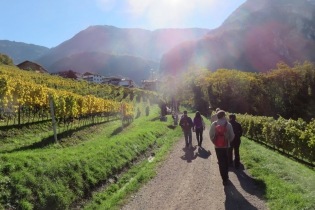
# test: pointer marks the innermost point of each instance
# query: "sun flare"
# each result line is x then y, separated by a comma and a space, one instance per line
163, 13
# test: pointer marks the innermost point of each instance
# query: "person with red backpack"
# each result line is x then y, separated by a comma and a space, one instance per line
222, 134
187, 124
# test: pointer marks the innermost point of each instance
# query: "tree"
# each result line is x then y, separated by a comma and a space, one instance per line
71, 74
6, 60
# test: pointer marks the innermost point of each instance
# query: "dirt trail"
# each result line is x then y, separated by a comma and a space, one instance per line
190, 179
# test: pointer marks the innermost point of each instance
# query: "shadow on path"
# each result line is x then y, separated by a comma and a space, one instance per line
235, 200
248, 182
202, 153
189, 154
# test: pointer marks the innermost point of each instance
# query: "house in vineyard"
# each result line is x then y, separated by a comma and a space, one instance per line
92, 77
68, 74
152, 83
32, 66
119, 82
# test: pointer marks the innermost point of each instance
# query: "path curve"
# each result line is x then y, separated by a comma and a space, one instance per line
190, 179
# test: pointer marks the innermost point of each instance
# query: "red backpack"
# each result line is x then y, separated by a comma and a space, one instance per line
219, 138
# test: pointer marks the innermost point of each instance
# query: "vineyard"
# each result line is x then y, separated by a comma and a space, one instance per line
25, 98
291, 137
34, 172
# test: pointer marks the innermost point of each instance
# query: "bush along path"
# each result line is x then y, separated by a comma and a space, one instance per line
190, 179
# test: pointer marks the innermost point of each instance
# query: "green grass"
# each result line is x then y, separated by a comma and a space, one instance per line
286, 183
138, 175
40, 135
57, 176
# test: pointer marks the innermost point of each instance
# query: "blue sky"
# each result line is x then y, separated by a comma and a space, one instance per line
50, 22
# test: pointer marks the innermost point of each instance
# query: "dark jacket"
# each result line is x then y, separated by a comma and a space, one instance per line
238, 131
184, 117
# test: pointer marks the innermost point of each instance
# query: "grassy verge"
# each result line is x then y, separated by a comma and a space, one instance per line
55, 177
40, 135
287, 184
130, 182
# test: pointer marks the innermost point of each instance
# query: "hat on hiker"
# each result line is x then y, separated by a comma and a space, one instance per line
221, 114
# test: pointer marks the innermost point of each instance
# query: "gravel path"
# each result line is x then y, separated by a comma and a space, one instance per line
190, 179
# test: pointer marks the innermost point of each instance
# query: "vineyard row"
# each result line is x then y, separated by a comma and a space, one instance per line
18, 96
292, 137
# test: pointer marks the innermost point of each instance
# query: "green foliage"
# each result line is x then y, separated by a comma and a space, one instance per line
188, 89
5, 60
294, 137
285, 91
81, 87
35, 109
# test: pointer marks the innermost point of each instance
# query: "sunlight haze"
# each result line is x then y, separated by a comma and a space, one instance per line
49, 23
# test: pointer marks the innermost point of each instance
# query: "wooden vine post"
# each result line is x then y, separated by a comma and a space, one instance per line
53, 117
122, 115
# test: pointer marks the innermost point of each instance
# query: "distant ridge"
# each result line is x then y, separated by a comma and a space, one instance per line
255, 37
131, 41
19, 51
106, 64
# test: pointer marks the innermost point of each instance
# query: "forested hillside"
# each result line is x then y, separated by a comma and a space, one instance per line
19, 51
258, 35
127, 66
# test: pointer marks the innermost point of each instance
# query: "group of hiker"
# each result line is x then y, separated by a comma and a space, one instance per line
224, 133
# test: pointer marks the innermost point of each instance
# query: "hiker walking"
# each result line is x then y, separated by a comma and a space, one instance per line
221, 134
187, 124
235, 144
215, 117
199, 126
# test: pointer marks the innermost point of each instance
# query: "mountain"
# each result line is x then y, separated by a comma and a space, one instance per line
255, 37
19, 51
106, 64
132, 41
